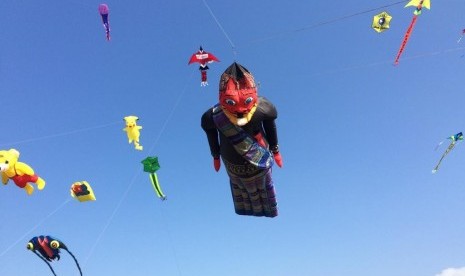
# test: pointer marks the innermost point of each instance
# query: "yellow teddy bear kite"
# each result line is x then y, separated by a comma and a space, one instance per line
133, 130
19, 172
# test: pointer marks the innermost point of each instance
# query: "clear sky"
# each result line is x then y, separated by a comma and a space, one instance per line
356, 194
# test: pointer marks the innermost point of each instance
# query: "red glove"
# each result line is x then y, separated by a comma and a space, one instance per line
260, 139
278, 159
216, 163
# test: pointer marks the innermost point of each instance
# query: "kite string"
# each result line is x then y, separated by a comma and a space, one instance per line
168, 233
361, 66
325, 22
35, 227
60, 134
110, 218
133, 180
170, 115
80, 3
221, 27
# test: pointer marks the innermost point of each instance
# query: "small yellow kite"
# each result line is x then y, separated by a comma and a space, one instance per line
82, 191
419, 4
381, 22
133, 130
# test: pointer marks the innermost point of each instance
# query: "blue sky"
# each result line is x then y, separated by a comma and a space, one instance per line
356, 195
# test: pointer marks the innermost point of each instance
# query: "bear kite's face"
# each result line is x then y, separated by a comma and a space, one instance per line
131, 121
8, 159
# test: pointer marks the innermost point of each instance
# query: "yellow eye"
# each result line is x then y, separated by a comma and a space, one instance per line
30, 246
54, 244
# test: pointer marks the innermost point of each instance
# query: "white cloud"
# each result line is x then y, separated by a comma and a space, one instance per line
452, 272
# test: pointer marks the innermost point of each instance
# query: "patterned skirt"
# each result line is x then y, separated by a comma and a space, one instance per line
254, 196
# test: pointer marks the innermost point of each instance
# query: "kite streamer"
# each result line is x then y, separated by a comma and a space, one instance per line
419, 5
454, 139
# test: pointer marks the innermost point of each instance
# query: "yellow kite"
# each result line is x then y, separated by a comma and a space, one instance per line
416, 3
133, 130
82, 191
381, 22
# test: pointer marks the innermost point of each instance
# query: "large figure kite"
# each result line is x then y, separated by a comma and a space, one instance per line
241, 130
151, 166
454, 139
419, 5
48, 249
203, 58
21, 173
381, 22
104, 13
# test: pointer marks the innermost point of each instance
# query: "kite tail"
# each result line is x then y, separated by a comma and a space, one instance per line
436, 148
451, 146
406, 38
156, 186
75, 260
43, 259
107, 31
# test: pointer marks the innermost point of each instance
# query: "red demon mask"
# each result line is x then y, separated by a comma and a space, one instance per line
238, 94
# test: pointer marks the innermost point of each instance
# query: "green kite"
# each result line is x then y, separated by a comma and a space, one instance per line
151, 166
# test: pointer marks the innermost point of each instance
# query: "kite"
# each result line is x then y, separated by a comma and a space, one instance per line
460, 38
21, 173
133, 131
454, 139
381, 22
241, 130
82, 191
103, 10
419, 5
151, 166
48, 249
203, 58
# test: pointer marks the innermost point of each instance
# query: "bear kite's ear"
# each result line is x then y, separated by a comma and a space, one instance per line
14, 152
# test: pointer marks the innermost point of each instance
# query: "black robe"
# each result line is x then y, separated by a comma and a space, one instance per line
262, 121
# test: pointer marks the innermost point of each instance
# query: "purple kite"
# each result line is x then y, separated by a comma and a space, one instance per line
103, 10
